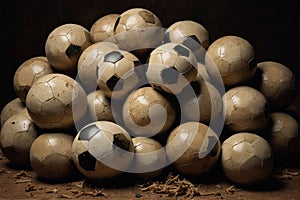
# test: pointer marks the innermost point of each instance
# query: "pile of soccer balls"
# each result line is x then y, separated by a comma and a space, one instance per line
129, 96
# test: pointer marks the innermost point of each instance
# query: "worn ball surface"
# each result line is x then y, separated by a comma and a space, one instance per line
28, 73
65, 44
233, 57
150, 157
118, 73
171, 67
104, 27
88, 60
56, 101
99, 106
245, 109
277, 84
246, 158
11, 108
194, 148
138, 30
17, 134
102, 150
146, 112
50, 156
284, 134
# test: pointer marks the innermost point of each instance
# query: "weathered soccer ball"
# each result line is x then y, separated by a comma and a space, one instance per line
99, 106
104, 27
50, 156
65, 44
277, 84
284, 137
11, 108
17, 134
28, 73
171, 68
146, 113
194, 148
56, 101
150, 157
232, 59
245, 109
118, 73
87, 63
102, 150
246, 158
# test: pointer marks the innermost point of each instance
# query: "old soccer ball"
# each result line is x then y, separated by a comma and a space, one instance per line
150, 157
11, 108
171, 67
102, 150
17, 134
104, 27
146, 113
277, 84
245, 109
65, 44
50, 156
87, 63
56, 101
194, 148
99, 106
246, 158
234, 59
118, 73
28, 73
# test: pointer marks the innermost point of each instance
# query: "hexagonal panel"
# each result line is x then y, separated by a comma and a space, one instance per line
88, 132
87, 161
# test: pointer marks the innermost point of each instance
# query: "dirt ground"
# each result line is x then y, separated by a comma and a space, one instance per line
24, 184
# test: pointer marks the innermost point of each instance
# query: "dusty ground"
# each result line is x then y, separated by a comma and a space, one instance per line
23, 184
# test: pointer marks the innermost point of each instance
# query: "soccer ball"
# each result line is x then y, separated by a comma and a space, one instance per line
194, 148
246, 158
245, 109
56, 101
277, 84
171, 67
207, 99
233, 57
50, 156
65, 44
102, 150
118, 73
138, 30
191, 34
99, 106
284, 134
147, 113
11, 108
28, 72
17, 134
88, 60
104, 27
150, 157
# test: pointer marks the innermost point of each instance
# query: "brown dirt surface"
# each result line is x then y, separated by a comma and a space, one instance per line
20, 183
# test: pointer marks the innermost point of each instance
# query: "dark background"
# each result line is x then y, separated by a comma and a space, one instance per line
272, 27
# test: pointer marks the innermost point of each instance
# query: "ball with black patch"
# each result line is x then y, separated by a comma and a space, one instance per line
171, 67
138, 30
118, 73
102, 150
65, 44
191, 34
88, 60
